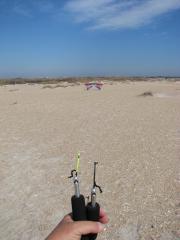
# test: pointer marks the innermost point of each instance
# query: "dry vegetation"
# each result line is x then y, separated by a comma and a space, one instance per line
146, 94
76, 80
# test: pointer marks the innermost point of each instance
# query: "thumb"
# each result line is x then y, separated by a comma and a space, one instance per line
86, 227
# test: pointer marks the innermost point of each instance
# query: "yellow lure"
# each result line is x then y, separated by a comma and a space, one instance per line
78, 162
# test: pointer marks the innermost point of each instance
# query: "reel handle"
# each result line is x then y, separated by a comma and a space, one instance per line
93, 214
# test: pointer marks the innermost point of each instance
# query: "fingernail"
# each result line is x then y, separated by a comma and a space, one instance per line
101, 227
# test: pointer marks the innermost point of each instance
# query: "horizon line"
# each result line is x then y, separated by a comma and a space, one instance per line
89, 76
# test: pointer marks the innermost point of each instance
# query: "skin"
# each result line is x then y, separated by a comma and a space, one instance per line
67, 229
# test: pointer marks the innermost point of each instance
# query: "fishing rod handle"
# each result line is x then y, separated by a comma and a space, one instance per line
79, 210
93, 214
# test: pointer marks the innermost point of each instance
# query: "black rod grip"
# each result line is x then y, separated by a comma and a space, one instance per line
79, 210
93, 214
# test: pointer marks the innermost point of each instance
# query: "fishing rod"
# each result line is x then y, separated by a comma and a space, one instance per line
78, 200
93, 208
81, 212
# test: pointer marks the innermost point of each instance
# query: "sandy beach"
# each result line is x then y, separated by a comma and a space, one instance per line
135, 139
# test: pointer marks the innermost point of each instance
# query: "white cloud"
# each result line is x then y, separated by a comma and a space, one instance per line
114, 14
44, 6
27, 8
20, 10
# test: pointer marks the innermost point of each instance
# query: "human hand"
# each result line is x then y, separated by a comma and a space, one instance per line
67, 229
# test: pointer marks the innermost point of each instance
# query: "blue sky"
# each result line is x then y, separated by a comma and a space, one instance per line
89, 37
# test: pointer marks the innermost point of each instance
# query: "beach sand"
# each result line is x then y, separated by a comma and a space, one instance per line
135, 139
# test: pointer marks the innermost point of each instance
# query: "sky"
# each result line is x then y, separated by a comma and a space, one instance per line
41, 38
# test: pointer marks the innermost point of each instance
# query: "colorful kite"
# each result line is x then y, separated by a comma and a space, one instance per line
93, 85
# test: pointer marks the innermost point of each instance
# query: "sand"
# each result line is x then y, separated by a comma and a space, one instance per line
135, 139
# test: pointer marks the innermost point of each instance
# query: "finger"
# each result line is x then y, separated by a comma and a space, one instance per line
68, 218
103, 217
86, 227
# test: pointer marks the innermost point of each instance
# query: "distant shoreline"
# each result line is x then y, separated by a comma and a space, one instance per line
44, 80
